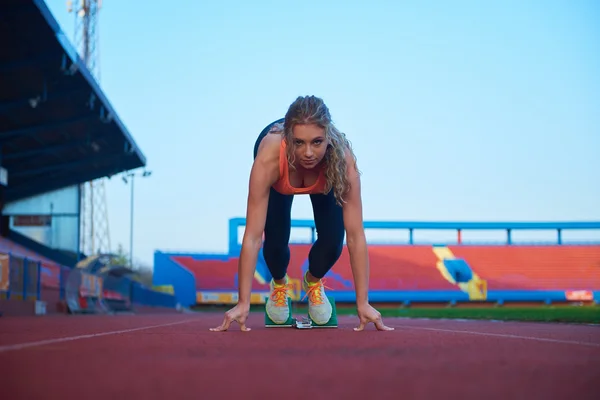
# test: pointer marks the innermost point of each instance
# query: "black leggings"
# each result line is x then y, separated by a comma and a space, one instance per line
329, 223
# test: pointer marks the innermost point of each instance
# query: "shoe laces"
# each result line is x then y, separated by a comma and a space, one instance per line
279, 295
314, 292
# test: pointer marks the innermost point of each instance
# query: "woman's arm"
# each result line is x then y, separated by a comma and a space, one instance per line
357, 247
265, 171
355, 234
256, 214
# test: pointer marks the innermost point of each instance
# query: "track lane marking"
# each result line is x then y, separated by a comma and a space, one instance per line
505, 335
20, 346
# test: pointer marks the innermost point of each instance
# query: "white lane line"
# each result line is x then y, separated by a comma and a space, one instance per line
79, 337
505, 335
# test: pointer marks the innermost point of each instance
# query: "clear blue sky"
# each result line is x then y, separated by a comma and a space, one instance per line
457, 110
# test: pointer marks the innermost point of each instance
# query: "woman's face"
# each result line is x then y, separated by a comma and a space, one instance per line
310, 145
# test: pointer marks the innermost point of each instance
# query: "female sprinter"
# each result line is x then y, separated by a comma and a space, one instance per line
303, 153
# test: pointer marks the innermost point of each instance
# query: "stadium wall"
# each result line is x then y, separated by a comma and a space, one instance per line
31, 284
176, 276
452, 271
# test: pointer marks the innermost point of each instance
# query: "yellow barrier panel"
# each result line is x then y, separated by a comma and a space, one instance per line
477, 289
207, 297
204, 297
296, 289
164, 289
4, 270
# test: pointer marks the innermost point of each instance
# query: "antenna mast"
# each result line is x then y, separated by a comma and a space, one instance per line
95, 234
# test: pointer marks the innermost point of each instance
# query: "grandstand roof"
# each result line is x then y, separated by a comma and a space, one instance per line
57, 128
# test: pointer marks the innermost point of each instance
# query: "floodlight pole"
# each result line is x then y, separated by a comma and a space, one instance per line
131, 224
131, 175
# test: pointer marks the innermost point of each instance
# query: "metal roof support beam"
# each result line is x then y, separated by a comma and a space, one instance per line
79, 164
36, 62
46, 150
32, 100
34, 130
44, 185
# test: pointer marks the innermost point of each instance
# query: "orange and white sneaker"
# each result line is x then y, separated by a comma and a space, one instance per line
319, 307
277, 307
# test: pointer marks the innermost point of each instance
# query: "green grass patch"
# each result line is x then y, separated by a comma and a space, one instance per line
565, 314
571, 314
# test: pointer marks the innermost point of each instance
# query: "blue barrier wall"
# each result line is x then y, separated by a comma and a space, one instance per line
144, 296
168, 272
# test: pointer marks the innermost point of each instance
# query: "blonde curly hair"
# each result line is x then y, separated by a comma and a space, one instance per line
312, 110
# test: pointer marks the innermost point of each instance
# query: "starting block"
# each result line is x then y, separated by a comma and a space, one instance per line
303, 323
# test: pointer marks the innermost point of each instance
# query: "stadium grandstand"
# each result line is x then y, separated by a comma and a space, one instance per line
456, 270
57, 131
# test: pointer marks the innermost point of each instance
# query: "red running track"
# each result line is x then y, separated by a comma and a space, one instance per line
176, 356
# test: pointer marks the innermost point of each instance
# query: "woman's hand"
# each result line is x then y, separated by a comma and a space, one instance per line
239, 314
367, 314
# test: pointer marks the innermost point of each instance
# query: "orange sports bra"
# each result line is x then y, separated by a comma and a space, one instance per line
283, 184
